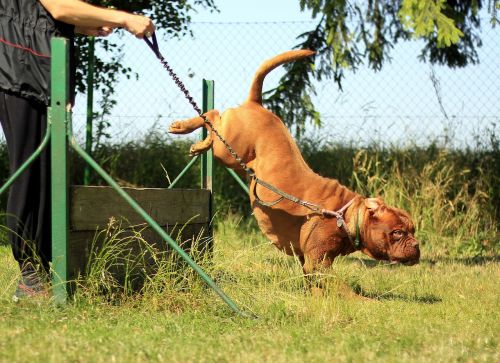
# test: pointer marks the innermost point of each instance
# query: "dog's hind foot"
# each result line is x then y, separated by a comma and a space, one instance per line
191, 124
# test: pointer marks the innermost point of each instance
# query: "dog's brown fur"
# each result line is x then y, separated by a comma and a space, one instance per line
263, 142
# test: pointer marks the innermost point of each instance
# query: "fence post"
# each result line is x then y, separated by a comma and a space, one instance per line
207, 158
58, 117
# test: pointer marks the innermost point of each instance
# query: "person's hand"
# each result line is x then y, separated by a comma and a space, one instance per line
139, 25
94, 32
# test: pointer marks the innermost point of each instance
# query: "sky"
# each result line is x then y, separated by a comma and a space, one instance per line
254, 10
370, 104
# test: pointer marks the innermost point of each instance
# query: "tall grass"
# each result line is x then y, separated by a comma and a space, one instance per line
453, 211
443, 309
123, 266
453, 195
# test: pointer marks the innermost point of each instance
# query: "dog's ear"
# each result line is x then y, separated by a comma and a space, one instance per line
373, 204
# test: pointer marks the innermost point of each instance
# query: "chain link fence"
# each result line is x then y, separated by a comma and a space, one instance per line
407, 103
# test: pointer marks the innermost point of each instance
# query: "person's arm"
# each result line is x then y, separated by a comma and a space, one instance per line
84, 15
94, 32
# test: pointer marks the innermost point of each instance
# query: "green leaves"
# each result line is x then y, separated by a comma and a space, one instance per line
352, 33
425, 17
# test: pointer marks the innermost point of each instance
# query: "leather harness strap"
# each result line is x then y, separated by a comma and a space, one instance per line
339, 214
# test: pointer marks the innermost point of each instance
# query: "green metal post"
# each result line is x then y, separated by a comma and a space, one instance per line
183, 172
59, 158
61, 132
27, 163
207, 158
90, 107
241, 183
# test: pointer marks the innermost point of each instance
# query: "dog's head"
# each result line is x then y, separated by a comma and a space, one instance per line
387, 233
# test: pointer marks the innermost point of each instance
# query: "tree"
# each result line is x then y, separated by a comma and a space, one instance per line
172, 16
350, 33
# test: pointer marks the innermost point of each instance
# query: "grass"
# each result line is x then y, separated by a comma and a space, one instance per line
444, 309
440, 310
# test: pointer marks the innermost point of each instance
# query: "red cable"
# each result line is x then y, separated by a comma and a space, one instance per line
24, 48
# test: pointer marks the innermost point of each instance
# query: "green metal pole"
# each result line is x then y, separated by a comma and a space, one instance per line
27, 163
90, 107
236, 177
207, 158
61, 131
183, 172
58, 113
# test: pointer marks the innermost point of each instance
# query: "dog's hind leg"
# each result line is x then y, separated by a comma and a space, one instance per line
189, 125
317, 279
314, 269
185, 126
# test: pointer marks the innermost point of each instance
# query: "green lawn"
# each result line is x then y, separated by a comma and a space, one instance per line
443, 309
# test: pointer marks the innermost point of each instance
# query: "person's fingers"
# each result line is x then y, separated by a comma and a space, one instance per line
139, 25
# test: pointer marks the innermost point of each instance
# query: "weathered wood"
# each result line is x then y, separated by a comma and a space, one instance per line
183, 213
92, 206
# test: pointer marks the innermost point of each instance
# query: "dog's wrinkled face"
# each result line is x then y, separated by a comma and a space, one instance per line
388, 234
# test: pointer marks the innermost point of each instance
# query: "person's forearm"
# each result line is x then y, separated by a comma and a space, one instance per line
79, 13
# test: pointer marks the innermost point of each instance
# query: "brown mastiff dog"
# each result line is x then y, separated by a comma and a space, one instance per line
265, 145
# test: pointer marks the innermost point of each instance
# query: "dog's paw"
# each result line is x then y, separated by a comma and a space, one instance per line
194, 151
176, 127
201, 146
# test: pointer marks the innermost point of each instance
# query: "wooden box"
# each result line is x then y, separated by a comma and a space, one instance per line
183, 213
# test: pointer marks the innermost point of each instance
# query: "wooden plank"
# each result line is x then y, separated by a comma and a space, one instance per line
183, 213
93, 206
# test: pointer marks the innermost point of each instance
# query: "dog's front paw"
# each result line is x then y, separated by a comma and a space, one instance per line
176, 127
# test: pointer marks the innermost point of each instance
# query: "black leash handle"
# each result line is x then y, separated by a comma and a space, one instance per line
153, 45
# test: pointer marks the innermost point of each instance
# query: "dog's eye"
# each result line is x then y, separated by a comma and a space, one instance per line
397, 234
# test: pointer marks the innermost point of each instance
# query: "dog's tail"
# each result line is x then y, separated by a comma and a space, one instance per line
266, 67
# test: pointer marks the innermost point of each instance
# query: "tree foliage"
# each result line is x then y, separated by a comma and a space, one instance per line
352, 33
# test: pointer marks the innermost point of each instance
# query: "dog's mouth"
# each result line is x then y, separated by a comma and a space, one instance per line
406, 253
408, 256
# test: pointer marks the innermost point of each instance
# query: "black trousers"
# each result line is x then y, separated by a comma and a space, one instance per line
24, 124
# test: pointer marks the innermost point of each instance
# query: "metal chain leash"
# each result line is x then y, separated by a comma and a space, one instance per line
193, 103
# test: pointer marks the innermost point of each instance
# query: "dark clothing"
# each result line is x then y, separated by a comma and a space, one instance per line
24, 123
26, 29
25, 32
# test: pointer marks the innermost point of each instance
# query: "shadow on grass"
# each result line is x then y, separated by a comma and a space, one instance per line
467, 261
424, 299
